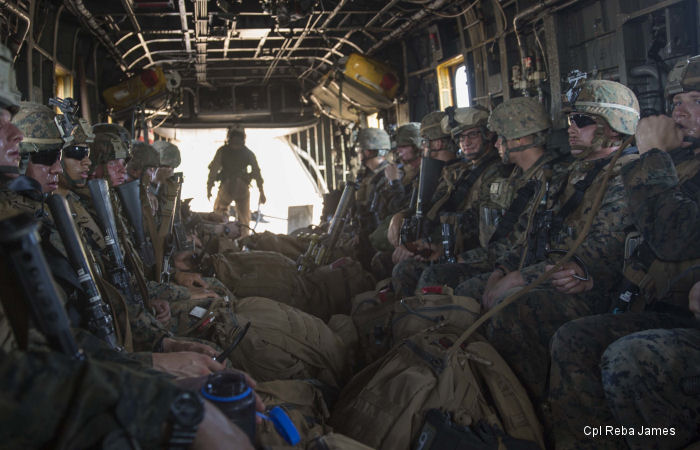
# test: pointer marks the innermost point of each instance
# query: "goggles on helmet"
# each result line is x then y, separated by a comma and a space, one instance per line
581, 120
78, 152
45, 157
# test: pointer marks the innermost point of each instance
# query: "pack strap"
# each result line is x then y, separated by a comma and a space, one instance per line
465, 184
516, 208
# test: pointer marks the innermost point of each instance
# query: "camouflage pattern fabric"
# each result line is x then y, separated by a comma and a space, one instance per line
577, 396
447, 274
614, 102
643, 377
49, 400
518, 117
659, 208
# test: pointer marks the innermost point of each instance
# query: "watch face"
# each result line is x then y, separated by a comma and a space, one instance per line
187, 409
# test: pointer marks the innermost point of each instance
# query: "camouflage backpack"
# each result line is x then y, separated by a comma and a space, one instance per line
263, 274
285, 343
385, 324
289, 246
387, 405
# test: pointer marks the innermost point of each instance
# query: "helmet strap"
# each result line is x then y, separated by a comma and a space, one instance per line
71, 182
539, 140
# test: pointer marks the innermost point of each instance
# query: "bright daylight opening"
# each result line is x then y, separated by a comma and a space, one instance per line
461, 87
285, 181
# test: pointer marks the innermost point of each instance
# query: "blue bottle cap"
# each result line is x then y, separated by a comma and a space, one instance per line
284, 425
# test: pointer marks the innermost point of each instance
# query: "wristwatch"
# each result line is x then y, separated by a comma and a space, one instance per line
186, 413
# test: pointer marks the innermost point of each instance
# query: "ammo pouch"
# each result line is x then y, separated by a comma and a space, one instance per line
439, 432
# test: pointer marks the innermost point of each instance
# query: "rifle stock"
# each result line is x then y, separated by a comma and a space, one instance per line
130, 196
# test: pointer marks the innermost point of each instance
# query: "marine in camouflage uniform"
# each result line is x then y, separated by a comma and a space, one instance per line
461, 206
506, 203
235, 166
521, 332
9, 105
437, 145
644, 355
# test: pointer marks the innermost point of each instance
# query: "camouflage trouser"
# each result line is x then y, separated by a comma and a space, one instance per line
405, 276
234, 190
382, 265
662, 364
473, 287
576, 393
447, 274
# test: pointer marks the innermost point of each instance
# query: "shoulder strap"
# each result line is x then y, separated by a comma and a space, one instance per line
580, 188
465, 184
516, 208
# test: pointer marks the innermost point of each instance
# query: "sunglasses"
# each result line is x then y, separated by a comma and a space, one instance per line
78, 152
581, 120
45, 157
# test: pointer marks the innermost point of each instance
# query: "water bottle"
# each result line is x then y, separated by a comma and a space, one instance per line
232, 395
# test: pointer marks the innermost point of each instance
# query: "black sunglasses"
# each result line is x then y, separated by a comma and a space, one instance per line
581, 120
78, 152
45, 157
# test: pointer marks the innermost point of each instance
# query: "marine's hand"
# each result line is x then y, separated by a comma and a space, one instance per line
200, 293
184, 261
658, 132
185, 364
392, 172
171, 345
217, 432
494, 293
563, 279
401, 253
694, 300
162, 310
394, 232
190, 279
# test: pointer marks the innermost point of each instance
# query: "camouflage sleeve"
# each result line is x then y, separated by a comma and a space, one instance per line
49, 400
668, 218
146, 331
255, 174
215, 167
602, 251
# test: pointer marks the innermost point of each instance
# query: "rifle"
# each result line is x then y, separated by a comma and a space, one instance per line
130, 196
321, 246
165, 231
448, 243
118, 274
71, 127
19, 247
99, 318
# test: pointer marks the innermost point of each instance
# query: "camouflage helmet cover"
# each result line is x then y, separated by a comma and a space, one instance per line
236, 128
168, 152
9, 94
614, 102
144, 155
430, 127
36, 122
684, 77
408, 134
114, 128
107, 147
518, 117
464, 119
374, 139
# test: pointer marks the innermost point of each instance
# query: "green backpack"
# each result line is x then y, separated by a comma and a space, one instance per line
385, 405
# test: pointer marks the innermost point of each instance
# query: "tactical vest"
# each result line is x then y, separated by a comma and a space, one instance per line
647, 279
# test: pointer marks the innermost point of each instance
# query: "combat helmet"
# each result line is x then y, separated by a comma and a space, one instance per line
144, 155
37, 123
517, 118
457, 120
235, 129
430, 127
114, 128
106, 147
408, 134
9, 94
614, 102
684, 77
168, 152
374, 139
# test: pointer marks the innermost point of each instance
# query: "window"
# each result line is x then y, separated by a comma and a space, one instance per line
374, 121
452, 83
461, 87
64, 82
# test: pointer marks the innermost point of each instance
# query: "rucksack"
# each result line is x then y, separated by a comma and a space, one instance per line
289, 246
385, 405
286, 343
